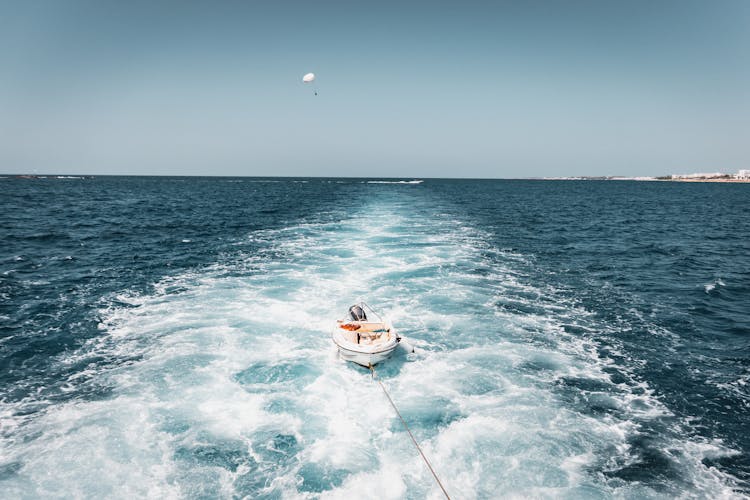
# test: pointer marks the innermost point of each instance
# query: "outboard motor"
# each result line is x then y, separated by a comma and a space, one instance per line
357, 313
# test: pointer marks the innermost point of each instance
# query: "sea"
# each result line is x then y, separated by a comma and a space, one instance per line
169, 337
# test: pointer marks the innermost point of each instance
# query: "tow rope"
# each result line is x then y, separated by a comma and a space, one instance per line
413, 439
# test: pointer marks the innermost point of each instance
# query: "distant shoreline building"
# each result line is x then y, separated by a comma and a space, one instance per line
714, 175
741, 175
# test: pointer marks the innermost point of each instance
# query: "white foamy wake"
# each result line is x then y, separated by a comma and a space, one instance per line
414, 181
231, 386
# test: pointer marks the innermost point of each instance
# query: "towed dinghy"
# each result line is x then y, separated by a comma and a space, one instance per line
362, 340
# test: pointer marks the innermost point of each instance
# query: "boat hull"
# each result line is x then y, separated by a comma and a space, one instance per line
364, 354
365, 359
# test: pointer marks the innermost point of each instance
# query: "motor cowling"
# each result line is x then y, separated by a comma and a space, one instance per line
357, 313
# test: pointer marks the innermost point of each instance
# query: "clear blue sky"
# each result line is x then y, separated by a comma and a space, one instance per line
433, 89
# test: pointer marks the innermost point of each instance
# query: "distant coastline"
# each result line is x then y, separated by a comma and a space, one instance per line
707, 180
741, 176
647, 179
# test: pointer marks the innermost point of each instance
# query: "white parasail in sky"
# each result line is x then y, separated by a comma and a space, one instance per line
308, 78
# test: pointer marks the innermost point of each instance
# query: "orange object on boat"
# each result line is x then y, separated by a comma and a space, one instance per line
351, 327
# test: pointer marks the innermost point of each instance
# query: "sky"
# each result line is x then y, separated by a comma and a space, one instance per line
525, 88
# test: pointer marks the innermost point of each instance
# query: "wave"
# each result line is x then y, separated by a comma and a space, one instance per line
710, 287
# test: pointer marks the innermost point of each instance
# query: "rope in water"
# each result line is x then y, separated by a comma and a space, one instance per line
413, 439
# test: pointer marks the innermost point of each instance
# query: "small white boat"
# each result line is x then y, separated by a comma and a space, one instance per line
365, 341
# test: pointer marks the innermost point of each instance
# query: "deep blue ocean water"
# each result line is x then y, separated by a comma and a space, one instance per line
169, 337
